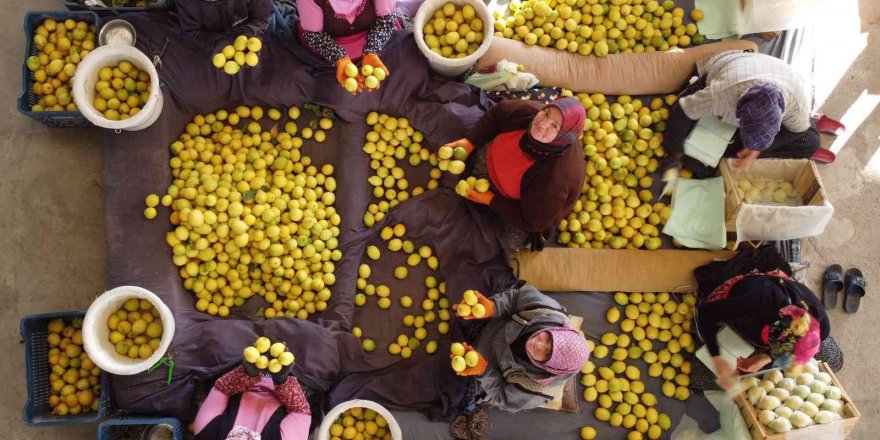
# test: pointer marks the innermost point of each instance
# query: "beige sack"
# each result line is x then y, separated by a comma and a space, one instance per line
620, 74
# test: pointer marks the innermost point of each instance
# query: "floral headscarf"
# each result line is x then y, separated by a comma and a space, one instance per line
794, 338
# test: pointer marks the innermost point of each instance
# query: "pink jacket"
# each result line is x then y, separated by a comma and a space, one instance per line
259, 401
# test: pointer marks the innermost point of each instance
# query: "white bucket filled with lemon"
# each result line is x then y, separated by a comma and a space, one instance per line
344, 419
453, 34
127, 330
117, 87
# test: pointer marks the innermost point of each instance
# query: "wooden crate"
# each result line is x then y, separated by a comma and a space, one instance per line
760, 432
803, 174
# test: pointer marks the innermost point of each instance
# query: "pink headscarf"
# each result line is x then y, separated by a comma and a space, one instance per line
570, 352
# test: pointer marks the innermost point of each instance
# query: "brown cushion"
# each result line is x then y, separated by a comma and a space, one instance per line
619, 74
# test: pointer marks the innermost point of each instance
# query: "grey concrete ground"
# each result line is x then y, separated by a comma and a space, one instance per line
53, 250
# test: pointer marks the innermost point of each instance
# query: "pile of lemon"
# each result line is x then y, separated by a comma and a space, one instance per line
599, 27
252, 214
60, 48
391, 140
135, 329
266, 355
471, 183
622, 144
462, 357
360, 423
242, 52
74, 380
656, 329
434, 307
121, 91
454, 31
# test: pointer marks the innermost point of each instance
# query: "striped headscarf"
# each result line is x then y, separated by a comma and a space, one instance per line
759, 112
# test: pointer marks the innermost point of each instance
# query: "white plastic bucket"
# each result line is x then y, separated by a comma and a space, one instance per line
96, 334
452, 66
330, 418
87, 75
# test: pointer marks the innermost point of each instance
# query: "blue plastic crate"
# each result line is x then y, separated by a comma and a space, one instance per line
36, 348
27, 98
151, 5
115, 429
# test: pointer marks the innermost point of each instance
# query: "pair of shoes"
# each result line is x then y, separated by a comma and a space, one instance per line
853, 285
831, 126
470, 427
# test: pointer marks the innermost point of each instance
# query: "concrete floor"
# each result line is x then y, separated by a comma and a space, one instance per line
53, 234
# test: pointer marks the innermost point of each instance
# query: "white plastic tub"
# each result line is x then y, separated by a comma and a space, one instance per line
324, 430
87, 75
451, 67
96, 333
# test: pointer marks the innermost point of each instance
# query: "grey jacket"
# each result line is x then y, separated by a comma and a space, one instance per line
509, 384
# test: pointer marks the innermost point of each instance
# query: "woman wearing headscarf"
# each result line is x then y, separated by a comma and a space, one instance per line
763, 96
530, 153
526, 346
344, 30
246, 405
754, 295
211, 23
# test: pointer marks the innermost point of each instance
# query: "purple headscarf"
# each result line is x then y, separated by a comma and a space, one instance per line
759, 112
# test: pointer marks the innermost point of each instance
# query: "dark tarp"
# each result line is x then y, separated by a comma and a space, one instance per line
328, 357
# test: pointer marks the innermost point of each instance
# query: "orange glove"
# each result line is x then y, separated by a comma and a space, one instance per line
341, 76
484, 198
372, 59
486, 302
476, 370
463, 143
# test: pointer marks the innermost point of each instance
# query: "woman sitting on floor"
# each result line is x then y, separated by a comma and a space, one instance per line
779, 316
211, 23
534, 163
762, 95
342, 30
245, 405
525, 347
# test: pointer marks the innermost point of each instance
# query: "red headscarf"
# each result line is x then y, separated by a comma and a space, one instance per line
573, 117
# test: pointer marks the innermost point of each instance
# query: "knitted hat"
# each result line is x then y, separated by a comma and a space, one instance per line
570, 351
794, 338
759, 112
573, 117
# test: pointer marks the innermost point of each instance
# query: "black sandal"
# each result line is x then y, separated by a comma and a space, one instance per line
832, 284
854, 288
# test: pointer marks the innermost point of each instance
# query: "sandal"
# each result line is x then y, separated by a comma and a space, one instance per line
854, 288
824, 156
832, 284
830, 126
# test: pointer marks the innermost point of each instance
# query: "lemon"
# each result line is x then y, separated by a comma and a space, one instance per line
697, 14
588, 433
613, 315
219, 60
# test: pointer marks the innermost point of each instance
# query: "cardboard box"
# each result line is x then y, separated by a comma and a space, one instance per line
768, 222
851, 416
613, 270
